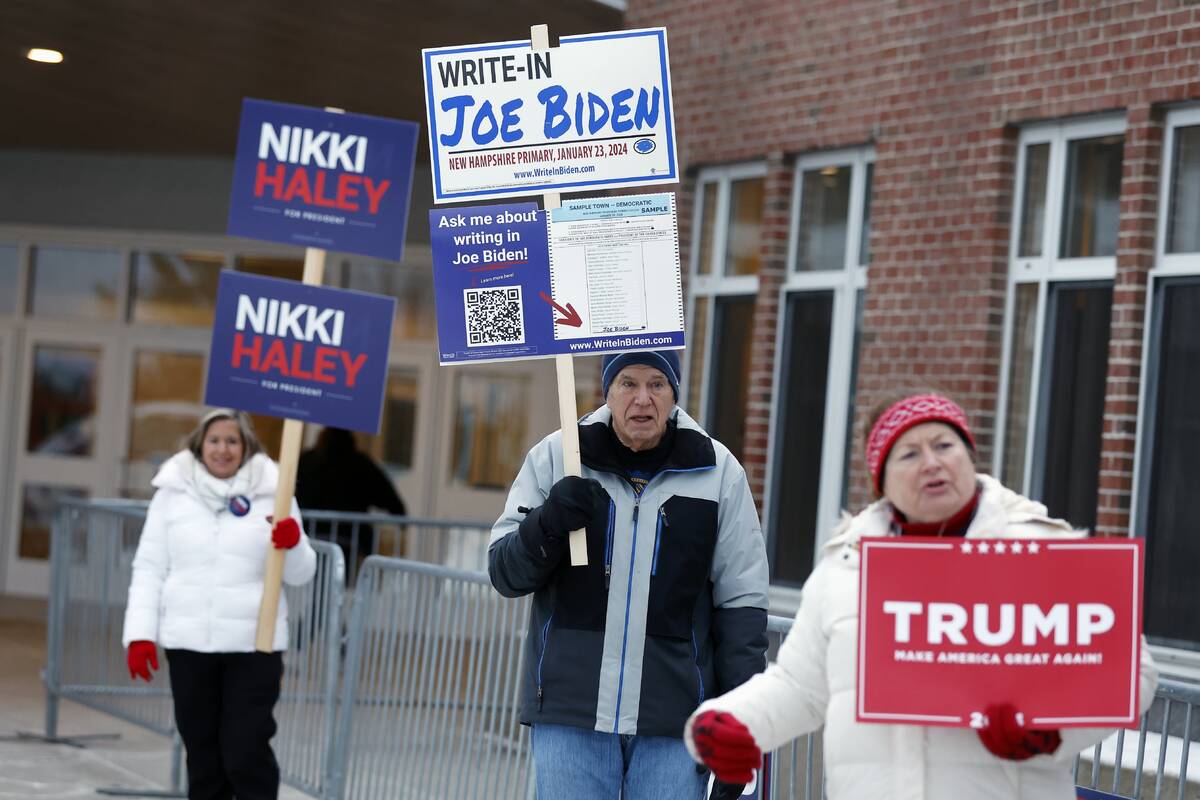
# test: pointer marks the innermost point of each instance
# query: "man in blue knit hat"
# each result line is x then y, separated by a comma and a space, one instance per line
670, 609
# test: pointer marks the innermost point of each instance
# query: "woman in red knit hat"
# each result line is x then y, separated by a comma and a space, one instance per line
921, 458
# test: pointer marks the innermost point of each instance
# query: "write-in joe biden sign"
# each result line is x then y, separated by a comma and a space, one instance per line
594, 112
310, 353
322, 179
948, 627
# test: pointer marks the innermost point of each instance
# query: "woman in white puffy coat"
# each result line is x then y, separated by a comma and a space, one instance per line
920, 454
196, 590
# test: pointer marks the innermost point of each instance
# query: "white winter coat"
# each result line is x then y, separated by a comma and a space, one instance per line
812, 683
198, 572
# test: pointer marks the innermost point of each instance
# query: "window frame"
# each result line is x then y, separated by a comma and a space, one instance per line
845, 284
1044, 270
1167, 269
715, 284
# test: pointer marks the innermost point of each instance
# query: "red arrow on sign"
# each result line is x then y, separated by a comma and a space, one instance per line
570, 315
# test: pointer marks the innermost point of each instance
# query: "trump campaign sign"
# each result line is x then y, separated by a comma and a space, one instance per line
322, 179
507, 120
304, 352
948, 627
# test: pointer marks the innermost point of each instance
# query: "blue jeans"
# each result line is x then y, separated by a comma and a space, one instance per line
577, 762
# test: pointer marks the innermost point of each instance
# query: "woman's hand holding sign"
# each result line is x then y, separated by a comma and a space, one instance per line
1004, 734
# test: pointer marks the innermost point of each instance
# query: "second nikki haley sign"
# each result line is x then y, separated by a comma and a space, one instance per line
304, 352
322, 179
948, 627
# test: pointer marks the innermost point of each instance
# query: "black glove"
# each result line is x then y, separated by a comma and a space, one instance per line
726, 791
572, 504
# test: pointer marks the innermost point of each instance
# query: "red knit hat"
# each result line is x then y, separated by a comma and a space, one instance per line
905, 414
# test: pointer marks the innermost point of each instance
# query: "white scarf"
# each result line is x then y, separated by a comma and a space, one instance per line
216, 492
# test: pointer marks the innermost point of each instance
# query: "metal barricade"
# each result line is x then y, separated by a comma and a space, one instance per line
94, 543
451, 543
91, 554
796, 769
427, 704
1158, 769
1162, 748
307, 707
429, 699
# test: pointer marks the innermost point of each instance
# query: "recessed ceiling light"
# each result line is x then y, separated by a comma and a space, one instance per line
44, 55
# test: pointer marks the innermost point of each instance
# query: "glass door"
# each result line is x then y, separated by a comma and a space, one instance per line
165, 400
63, 443
494, 413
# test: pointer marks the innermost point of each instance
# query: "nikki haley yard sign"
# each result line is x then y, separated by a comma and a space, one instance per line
322, 179
948, 627
303, 352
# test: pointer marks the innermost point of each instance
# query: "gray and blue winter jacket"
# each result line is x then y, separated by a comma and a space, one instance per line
670, 608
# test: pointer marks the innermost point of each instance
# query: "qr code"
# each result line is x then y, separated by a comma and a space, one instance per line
494, 316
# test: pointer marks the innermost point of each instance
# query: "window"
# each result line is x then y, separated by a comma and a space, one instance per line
1090, 212
733, 322
1076, 352
289, 268
1172, 462
412, 286
1168, 457
724, 284
1183, 211
1059, 306
168, 393
489, 429
62, 407
77, 284
38, 504
821, 307
175, 288
394, 444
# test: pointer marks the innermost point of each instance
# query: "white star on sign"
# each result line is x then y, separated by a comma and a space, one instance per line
999, 547
966, 547
1033, 547
1016, 547
983, 547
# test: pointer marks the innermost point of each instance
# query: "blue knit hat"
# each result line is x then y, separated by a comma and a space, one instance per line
665, 361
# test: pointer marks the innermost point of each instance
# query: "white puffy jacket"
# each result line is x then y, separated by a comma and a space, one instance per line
198, 573
812, 683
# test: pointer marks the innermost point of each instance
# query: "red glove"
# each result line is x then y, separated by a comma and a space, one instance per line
726, 747
286, 534
1005, 736
141, 658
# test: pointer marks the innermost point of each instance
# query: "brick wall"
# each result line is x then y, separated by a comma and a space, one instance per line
940, 89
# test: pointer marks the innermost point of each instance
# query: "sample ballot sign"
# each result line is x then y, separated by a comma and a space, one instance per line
617, 259
303, 352
594, 276
947, 627
506, 120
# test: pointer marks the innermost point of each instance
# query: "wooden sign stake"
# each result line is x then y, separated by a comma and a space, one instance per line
289, 457
568, 414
